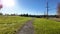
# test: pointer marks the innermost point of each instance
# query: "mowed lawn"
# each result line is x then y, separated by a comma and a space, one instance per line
11, 24
46, 26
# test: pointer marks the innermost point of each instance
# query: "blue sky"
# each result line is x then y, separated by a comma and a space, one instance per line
34, 7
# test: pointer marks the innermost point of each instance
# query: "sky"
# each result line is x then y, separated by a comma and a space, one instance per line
33, 7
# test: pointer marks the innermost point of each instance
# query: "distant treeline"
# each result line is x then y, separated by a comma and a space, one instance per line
27, 15
39, 16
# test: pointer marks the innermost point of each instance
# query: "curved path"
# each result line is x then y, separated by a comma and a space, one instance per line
27, 28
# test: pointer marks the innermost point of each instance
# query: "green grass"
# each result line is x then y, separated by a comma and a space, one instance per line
10, 24
46, 26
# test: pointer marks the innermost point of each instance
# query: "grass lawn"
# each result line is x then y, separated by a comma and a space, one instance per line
9, 24
46, 26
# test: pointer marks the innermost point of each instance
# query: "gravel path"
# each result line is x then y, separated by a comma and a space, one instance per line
27, 28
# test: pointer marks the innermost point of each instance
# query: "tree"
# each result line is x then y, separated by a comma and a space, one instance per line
13, 14
1, 6
1, 13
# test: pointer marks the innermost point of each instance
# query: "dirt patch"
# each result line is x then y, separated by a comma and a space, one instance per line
27, 28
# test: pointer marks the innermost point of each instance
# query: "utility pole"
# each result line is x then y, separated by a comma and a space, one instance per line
47, 10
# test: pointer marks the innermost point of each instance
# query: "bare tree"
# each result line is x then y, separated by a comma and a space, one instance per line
58, 10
